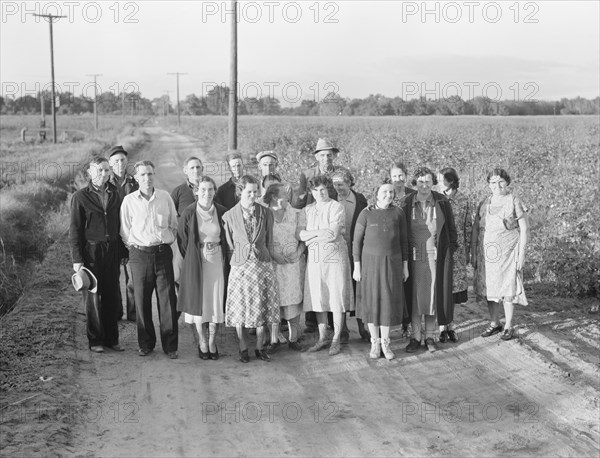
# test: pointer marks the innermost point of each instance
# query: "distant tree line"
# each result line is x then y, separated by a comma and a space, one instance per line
216, 102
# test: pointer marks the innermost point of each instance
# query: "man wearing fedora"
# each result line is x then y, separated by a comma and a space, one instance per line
325, 153
148, 228
96, 245
125, 184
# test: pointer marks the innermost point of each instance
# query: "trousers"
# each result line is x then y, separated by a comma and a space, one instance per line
101, 308
154, 272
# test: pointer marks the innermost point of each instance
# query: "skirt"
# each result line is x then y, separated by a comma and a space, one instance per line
380, 296
252, 295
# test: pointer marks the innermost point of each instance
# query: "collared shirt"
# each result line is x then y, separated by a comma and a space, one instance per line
349, 203
148, 222
102, 194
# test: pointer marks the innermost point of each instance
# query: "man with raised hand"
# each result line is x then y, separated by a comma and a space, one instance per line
148, 228
125, 184
183, 195
96, 245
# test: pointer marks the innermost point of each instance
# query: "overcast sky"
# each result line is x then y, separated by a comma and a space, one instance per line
505, 50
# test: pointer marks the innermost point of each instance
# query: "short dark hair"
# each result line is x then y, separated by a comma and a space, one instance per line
205, 179
319, 180
244, 180
144, 163
345, 175
192, 158
378, 187
451, 176
96, 160
498, 172
398, 165
272, 191
421, 172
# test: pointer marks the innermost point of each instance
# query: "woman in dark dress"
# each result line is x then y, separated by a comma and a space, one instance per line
381, 267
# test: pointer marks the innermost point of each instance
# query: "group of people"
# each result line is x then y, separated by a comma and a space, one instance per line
255, 254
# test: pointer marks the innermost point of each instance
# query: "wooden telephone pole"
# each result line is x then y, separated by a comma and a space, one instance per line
232, 143
51, 18
178, 111
95, 99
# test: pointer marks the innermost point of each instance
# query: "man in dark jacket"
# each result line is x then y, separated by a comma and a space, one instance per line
183, 195
96, 244
125, 184
228, 195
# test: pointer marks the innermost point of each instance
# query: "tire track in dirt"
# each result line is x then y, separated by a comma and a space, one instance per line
480, 397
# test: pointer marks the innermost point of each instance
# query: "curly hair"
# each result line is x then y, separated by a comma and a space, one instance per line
424, 171
274, 190
319, 180
451, 177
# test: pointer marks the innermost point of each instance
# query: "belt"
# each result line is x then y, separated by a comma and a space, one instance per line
210, 245
152, 249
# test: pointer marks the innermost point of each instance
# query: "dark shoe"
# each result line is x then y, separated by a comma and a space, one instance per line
97, 349
508, 334
295, 346
444, 336
262, 354
413, 346
273, 347
365, 336
144, 352
116, 347
491, 330
214, 356
172, 355
244, 356
203, 354
452, 336
430, 344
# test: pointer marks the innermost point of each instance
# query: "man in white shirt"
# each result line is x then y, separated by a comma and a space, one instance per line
148, 227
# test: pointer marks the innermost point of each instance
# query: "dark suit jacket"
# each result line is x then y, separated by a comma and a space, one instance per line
361, 204
91, 223
183, 196
239, 246
304, 197
226, 195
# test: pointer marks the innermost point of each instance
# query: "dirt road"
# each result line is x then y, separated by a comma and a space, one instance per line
479, 397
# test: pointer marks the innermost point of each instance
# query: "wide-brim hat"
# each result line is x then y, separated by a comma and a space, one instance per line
84, 279
324, 144
116, 150
262, 154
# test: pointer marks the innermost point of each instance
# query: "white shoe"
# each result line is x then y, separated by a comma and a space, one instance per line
385, 347
375, 348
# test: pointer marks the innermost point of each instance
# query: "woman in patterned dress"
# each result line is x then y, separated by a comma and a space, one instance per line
328, 285
381, 268
500, 235
202, 279
252, 292
463, 220
288, 257
432, 240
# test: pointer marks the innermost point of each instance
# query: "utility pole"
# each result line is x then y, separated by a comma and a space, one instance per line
233, 80
50, 18
178, 112
95, 99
